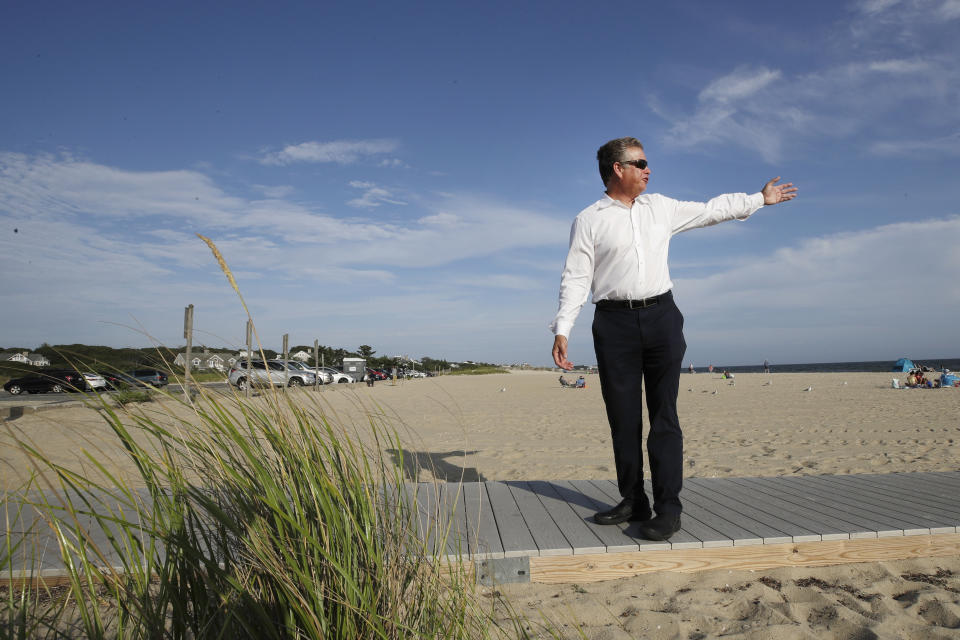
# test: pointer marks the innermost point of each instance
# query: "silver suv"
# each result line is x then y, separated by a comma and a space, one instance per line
268, 373
325, 378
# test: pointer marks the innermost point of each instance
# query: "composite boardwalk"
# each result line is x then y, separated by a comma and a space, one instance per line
544, 531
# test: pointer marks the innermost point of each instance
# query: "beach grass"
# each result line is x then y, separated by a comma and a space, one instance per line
297, 530
246, 518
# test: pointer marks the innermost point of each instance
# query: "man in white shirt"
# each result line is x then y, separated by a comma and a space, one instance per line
618, 252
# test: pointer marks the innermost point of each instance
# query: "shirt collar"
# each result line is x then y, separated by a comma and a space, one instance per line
606, 201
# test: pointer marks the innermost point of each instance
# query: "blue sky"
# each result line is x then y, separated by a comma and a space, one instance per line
404, 175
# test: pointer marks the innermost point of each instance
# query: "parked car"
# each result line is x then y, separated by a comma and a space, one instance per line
269, 373
325, 378
338, 376
148, 377
376, 374
137, 378
94, 381
52, 380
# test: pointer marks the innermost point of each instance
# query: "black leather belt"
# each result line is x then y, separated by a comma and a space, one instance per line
635, 304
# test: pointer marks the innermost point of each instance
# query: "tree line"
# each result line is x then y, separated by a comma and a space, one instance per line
103, 358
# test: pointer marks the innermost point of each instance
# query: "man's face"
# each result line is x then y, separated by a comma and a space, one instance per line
633, 179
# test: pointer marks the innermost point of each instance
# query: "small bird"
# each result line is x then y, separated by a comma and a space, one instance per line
768, 383
715, 392
502, 389
809, 389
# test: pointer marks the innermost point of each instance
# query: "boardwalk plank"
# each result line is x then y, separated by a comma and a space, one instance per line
780, 516
910, 497
574, 529
873, 523
613, 536
515, 536
919, 483
546, 533
890, 504
829, 527
484, 537
718, 518
434, 517
918, 488
451, 499
881, 508
862, 525
770, 529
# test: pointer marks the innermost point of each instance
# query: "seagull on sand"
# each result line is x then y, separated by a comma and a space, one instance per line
809, 389
502, 389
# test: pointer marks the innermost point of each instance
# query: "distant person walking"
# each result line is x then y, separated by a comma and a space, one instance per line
692, 370
766, 366
618, 252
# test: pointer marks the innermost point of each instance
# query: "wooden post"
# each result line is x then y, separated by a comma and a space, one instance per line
246, 391
188, 334
286, 358
316, 364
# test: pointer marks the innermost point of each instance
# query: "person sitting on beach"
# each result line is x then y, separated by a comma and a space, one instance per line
911, 380
727, 375
565, 383
581, 383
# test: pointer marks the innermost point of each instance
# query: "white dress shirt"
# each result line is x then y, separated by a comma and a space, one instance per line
620, 253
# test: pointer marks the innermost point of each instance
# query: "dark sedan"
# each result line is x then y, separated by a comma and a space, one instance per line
135, 378
54, 380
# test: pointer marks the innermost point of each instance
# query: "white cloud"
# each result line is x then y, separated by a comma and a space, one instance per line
944, 146
950, 9
279, 191
739, 85
889, 289
762, 109
501, 281
339, 151
373, 196
442, 219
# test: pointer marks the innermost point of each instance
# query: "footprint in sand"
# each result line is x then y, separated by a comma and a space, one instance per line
936, 613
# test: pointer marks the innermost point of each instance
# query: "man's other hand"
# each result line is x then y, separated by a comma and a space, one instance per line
777, 193
560, 353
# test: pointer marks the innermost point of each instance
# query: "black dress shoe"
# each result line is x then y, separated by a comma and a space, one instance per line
660, 528
621, 513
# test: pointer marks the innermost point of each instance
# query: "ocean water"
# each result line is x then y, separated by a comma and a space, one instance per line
827, 367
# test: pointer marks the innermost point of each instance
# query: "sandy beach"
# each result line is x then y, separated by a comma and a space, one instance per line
524, 426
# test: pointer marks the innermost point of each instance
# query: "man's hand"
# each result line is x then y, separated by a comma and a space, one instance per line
776, 193
560, 353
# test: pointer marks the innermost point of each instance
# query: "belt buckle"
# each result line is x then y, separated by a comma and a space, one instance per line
643, 303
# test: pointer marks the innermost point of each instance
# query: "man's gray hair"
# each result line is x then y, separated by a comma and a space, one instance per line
614, 151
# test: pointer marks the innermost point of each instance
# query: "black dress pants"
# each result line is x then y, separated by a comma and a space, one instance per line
637, 347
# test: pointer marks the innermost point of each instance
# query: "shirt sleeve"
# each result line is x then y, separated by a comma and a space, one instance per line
576, 279
729, 206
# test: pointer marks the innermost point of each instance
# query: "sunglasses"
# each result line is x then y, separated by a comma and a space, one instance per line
639, 164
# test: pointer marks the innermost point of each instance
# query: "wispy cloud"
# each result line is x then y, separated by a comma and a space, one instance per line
869, 288
373, 196
942, 146
338, 151
863, 87
742, 84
